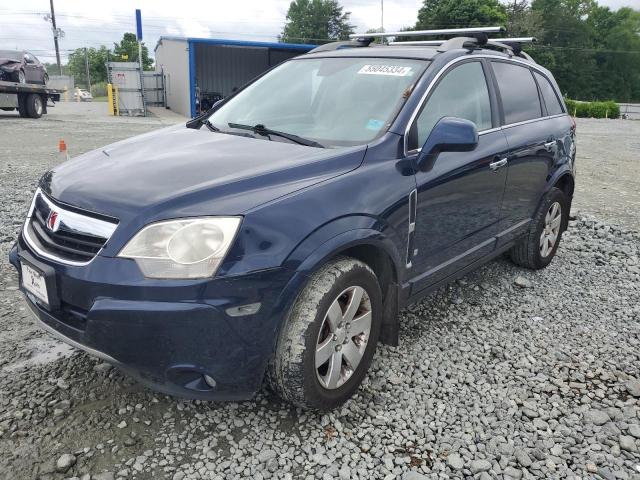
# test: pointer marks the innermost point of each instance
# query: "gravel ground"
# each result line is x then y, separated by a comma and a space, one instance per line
504, 374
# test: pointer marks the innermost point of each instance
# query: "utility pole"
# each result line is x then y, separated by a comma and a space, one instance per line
381, 16
55, 36
86, 66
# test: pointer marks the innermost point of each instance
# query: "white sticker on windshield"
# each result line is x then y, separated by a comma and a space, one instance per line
394, 70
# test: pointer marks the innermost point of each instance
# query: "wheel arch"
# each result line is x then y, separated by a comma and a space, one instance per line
371, 247
564, 181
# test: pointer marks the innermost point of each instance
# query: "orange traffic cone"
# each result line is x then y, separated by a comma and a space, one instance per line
62, 150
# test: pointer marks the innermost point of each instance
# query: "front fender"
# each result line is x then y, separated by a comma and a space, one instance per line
340, 235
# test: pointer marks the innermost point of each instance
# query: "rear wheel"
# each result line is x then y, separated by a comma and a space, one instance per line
539, 246
326, 346
35, 105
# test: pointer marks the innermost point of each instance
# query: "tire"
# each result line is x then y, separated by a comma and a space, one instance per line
35, 105
22, 105
20, 77
530, 252
293, 373
45, 79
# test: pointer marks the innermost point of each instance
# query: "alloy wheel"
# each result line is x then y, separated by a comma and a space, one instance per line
38, 105
21, 77
551, 231
343, 337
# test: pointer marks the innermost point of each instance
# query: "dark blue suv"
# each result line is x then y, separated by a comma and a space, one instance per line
278, 235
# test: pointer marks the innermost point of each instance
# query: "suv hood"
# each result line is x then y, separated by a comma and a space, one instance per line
177, 171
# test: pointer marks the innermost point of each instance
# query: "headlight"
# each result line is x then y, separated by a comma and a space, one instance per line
186, 248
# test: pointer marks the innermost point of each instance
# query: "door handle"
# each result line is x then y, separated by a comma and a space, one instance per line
549, 145
498, 164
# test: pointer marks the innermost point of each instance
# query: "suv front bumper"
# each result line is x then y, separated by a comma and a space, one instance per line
174, 336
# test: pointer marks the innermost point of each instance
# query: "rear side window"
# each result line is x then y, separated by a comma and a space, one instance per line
554, 107
519, 93
461, 93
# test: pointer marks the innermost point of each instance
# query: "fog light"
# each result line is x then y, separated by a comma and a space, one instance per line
242, 310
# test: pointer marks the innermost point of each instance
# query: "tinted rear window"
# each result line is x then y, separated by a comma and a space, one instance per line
554, 107
519, 93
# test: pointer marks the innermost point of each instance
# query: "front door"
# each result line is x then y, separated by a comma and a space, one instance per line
459, 198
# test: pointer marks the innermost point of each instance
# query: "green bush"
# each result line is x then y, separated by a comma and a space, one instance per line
608, 109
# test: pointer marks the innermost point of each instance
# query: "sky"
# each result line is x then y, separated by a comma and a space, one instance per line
88, 23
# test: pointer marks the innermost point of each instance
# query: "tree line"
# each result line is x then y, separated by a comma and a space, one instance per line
592, 51
126, 50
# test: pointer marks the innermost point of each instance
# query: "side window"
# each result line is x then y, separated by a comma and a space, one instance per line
520, 100
461, 93
554, 107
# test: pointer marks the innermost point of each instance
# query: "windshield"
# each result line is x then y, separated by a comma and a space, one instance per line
332, 101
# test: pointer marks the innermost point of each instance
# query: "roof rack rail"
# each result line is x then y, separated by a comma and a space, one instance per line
429, 33
435, 43
511, 46
357, 43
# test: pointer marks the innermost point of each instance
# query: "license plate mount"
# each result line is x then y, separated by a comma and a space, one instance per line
35, 282
33, 270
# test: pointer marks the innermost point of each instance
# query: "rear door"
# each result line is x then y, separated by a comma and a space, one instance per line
532, 145
458, 200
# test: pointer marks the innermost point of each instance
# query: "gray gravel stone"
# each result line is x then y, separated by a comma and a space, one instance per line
633, 387
266, 455
478, 466
414, 476
522, 282
65, 462
628, 443
523, 458
455, 461
597, 417
103, 476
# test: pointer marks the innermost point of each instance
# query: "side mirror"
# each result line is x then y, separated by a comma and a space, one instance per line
450, 134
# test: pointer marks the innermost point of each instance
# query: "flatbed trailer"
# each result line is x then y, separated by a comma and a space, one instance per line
30, 99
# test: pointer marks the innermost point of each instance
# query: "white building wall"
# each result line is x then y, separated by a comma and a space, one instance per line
172, 57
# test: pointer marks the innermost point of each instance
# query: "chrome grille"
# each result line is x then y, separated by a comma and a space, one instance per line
73, 238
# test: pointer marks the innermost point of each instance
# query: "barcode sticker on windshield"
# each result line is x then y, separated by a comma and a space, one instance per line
394, 70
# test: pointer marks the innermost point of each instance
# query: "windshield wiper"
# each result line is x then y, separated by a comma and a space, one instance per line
260, 129
211, 126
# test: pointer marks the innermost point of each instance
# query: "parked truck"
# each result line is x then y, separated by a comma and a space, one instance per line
29, 99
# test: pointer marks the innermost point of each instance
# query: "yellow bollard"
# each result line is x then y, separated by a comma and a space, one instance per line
66, 94
77, 94
110, 99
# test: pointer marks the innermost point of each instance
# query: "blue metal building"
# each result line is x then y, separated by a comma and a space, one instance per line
197, 71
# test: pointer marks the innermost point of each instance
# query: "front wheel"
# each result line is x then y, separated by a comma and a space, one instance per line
21, 77
326, 346
539, 246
